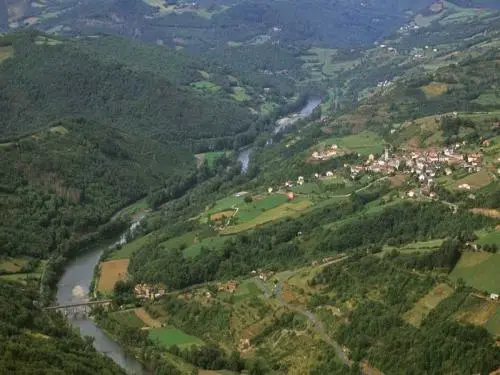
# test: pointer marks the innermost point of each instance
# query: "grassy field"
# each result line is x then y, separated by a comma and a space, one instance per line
364, 143
128, 318
6, 52
240, 94
488, 238
422, 247
205, 86
475, 180
493, 323
247, 289
111, 272
130, 248
248, 211
426, 304
210, 157
12, 265
285, 210
212, 243
169, 336
479, 270
226, 204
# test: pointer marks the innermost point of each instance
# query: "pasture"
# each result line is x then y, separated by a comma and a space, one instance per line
475, 180
169, 336
212, 243
414, 247
128, 318
285, 210
364, 143
427, 303
111, 271
479, 270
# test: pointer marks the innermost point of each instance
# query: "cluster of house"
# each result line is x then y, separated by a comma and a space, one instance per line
426, 164
146, 291
324, 261
229, 286
262, 275
180, 6
326, 153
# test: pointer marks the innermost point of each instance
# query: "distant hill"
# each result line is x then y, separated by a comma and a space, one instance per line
48, 79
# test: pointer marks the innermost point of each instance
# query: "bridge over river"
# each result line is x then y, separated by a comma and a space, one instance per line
80, 307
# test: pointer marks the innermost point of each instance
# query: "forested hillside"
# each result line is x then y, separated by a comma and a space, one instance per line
67, 180
45, 81
35, 342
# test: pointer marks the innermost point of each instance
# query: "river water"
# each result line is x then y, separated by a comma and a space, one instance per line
281, 124
73, 287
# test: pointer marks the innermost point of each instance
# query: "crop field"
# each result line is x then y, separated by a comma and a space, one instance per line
427, 303
169, 336
476, 180
434, 89
479, 270
6, 52
111, 272
128, 318
364, 143
285, 210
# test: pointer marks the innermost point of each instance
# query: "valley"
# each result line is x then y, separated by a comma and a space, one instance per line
250, 187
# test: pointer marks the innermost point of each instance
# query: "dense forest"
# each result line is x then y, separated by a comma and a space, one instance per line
70, 178
42, 83
33, 341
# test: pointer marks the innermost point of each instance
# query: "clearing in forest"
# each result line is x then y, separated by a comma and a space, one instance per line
169, 336
6, 52
476, 310
111, 272
146, 318
434, 89
427, 303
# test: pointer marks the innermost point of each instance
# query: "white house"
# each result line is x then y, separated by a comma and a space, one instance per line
494, 297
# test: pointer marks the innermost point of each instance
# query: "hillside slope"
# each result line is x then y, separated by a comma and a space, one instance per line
70, 178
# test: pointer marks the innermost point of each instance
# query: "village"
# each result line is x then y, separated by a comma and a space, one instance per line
425, 165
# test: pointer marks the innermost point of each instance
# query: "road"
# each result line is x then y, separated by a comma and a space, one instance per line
318, 326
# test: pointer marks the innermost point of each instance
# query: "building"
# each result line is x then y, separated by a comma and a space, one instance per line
494, 297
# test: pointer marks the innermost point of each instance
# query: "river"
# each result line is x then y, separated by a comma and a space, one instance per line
281, 124
73, 287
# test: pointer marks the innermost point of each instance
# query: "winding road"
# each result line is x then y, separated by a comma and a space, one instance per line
317, 324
